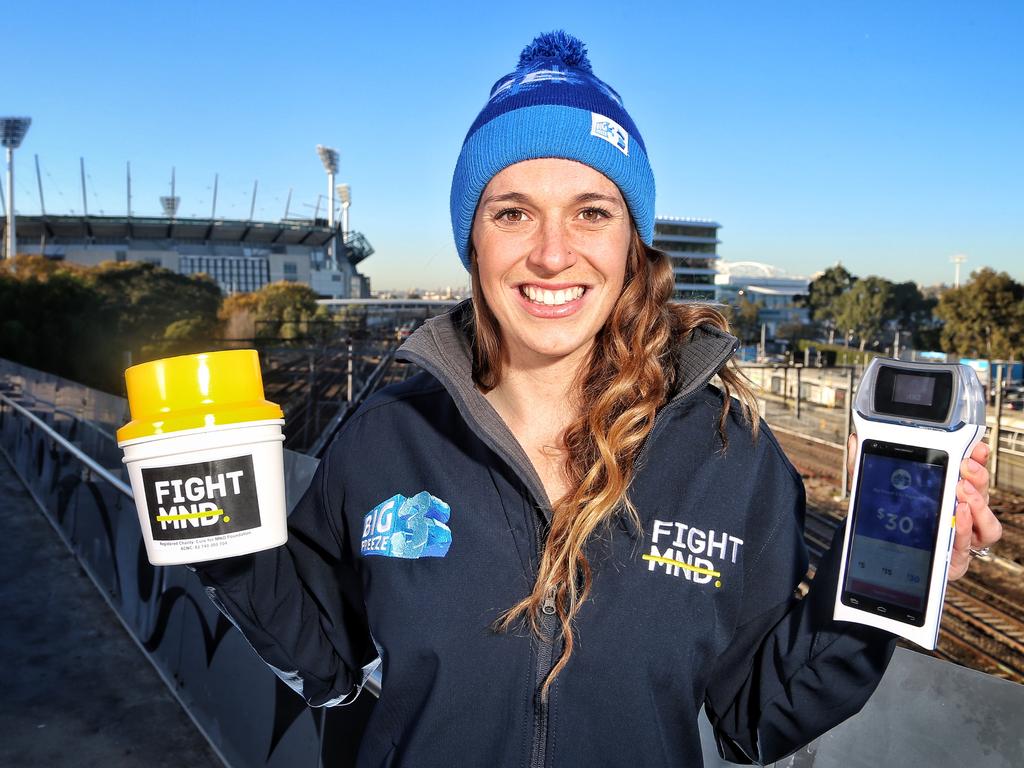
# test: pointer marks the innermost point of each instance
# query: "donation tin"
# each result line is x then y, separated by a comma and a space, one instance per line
205, 458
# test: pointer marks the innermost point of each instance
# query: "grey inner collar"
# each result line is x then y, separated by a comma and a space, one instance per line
441, 347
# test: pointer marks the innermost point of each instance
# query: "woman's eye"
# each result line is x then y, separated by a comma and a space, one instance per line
594, 214
510, 215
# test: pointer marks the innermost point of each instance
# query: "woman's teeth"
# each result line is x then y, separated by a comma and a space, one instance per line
551, 298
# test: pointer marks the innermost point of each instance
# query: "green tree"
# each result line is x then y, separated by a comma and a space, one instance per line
745, 319
52, 319
144, 300
864, 308
280, 310
910, 310
824, 291
985, 317
78, 321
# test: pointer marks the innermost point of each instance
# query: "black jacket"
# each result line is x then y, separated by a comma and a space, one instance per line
424, 523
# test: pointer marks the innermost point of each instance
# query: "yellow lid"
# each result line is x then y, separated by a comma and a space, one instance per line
191, 391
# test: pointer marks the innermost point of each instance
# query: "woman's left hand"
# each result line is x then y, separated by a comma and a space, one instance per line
976, 525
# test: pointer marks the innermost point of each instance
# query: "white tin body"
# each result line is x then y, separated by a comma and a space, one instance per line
205, 494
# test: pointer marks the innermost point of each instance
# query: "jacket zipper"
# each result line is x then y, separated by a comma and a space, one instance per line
545, 661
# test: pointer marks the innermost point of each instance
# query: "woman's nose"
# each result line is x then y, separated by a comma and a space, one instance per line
553, 252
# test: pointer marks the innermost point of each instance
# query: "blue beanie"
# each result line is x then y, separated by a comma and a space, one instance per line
552, 105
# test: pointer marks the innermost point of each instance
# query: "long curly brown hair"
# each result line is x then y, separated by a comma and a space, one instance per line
629, 376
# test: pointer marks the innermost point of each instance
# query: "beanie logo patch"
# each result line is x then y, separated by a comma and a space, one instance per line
607, 129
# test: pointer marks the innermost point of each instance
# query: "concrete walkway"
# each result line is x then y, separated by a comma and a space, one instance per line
75, 690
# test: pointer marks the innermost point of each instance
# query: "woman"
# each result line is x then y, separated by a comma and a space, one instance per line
559, 537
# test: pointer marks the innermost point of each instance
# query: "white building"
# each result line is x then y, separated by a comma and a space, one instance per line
240, 256
770, 286
691, 245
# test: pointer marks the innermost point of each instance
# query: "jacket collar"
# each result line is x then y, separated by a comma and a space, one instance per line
442, 347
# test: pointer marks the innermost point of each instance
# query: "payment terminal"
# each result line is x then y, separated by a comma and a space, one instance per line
915, 423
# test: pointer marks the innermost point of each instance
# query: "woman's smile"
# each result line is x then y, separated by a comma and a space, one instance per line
551, 301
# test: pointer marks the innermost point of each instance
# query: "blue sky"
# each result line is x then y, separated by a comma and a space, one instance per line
885, 135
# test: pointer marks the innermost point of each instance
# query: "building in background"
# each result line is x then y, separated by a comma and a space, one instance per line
691, 245
766, 285
239, 255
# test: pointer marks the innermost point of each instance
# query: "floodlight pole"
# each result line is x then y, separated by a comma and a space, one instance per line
42, 203
85, 203
12, 131
345, 194
42, 209
329, 157
957, 260
12, 240
11, 237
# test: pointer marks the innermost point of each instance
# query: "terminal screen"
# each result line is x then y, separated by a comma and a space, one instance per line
917, 394
913, 390
899, 495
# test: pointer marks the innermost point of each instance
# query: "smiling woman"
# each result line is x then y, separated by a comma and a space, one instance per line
560, 537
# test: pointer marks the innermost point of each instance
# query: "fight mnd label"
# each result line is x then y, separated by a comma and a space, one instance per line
208, 498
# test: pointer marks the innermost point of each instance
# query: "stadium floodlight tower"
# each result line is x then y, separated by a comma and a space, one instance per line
170, 205
345, 195
329, 157
957, 260
170, 202
12, 131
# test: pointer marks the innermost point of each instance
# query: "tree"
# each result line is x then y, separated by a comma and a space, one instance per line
910, 310
280, 310
824, 291
745, 319
237, 314
864, 308
78, 321
145, 299
985, 317
53, 320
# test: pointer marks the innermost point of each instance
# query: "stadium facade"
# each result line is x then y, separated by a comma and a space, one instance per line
239, 255
776, 292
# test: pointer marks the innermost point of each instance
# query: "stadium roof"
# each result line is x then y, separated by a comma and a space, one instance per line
107, 228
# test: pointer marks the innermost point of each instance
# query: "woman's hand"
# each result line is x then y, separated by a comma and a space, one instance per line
976, 525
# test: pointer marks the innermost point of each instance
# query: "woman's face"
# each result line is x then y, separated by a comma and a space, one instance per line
551, 239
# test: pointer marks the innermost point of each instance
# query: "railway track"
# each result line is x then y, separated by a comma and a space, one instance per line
982, 628
311, 385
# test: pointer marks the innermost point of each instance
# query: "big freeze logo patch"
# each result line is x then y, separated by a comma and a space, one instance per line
209, 498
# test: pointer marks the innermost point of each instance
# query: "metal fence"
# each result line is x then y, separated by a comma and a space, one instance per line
816, 401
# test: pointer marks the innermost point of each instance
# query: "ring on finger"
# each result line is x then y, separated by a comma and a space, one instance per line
982, 552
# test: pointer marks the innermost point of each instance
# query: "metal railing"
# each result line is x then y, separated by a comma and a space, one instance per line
814, 403
68, 446
246, 714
